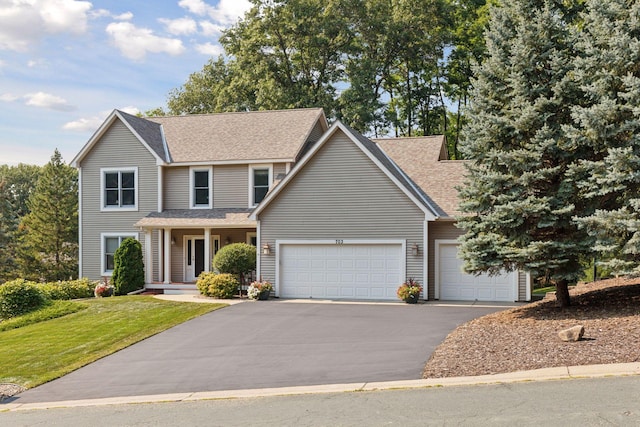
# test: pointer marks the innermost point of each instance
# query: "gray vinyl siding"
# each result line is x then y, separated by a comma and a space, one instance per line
342, 194
279, 169
176, 188
231, 186
117, 148
446, 230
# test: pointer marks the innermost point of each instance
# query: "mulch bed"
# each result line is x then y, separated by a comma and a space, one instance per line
526, 337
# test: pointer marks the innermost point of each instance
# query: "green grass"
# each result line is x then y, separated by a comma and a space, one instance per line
40, 352
52, 311
542, 291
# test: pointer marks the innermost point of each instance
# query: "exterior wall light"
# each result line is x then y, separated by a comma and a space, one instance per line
266, 250
415, 249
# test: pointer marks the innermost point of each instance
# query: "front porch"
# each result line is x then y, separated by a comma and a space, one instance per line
179, 245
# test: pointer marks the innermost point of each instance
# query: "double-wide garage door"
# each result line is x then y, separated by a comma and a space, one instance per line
456, 285
340, 271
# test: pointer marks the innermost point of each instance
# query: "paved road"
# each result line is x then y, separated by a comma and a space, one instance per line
580, 403
269, 344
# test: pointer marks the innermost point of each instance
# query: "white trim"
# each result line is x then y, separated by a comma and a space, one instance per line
159, 232
148, 257
401, 242
166, 256
207, 249
212, 239
425, 259
529, 284
160, 189
251, 169
80, 222
230, 162
104, 171
287, 167
103, 236
258, 253
431, 215
192, 171
164, 144
436, 247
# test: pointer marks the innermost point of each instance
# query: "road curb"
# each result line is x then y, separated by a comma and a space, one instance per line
545, 374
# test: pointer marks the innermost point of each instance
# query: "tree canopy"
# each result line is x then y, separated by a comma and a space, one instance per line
400, 68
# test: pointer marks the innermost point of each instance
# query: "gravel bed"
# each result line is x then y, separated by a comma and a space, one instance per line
526, 337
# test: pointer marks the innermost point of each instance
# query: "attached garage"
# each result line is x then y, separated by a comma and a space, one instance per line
453, 284
340, 269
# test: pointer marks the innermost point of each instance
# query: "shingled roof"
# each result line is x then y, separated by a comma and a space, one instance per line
423, 159
238, 136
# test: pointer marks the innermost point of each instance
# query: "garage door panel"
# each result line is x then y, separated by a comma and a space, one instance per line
362, 271
457, 285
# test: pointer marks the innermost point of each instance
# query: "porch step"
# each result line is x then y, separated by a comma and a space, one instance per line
181, 292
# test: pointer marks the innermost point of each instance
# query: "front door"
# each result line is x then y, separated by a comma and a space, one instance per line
194, 255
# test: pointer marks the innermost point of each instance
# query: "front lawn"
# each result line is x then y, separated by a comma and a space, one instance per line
34, 354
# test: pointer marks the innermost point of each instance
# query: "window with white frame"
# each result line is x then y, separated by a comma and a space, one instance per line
201, 186
252, 238
260, 178
110, 243
119, 188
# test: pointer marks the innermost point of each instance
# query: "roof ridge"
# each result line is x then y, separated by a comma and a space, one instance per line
173, 116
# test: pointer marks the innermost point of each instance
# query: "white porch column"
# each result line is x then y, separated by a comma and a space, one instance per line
167, 255
160, 252
148, 257
207, 249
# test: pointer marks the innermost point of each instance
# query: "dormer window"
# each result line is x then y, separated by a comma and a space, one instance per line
201, 186
119, 189
260, 178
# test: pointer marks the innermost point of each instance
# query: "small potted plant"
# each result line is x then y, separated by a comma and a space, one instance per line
103, 289
260, 290
409, 291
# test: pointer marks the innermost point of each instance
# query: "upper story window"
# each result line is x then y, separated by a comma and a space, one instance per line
119, 188
260, 178
201, 186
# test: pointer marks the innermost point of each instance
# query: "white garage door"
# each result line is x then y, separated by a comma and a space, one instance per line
456, 285
344, 271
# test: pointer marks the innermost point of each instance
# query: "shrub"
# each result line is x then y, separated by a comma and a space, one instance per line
214, 285
237, 259
128, 270
66, 290
18, 297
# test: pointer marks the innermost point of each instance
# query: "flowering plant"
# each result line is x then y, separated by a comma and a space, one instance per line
258, 288
409, 290
103, 289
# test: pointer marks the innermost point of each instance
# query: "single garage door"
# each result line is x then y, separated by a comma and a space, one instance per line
456, 285
340, 271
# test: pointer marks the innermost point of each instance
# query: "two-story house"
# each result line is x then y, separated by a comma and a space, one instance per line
183, 186
333, 214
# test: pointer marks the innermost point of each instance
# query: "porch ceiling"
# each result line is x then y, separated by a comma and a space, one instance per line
220, 217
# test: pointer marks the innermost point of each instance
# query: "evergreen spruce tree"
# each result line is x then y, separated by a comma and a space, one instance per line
49, 244
608, 69
128, 269
517, 196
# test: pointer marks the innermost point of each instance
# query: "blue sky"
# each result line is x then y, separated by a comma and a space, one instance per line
66, 64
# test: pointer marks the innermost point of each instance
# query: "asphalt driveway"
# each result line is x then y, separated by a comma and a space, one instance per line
269, 344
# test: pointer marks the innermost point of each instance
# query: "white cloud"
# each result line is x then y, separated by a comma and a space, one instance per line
37, 63
127, 16
49, 101
102, 13
210, 29
180, 26
210, 49
134, 42
8, 97
226, 12
24, 22
91, 124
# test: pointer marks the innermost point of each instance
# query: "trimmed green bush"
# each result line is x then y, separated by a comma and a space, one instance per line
217, 285
237, 259
128, 270
73, 289
20, 296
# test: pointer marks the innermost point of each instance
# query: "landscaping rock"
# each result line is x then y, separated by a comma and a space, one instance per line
572, 334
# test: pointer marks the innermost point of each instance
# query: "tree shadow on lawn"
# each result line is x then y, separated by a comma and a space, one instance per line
587, 303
